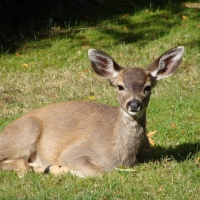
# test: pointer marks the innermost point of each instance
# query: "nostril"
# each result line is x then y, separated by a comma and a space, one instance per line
134, 105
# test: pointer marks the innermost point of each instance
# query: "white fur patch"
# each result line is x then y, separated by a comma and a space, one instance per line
7, 161
76, 173
128, 114
132, 113
154, 73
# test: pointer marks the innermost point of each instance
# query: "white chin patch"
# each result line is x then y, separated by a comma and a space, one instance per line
128, 113
132, 113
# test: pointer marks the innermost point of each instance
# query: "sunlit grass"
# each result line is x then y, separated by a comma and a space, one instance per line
57, 68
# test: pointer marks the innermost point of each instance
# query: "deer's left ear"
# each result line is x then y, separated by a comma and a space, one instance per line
166, 64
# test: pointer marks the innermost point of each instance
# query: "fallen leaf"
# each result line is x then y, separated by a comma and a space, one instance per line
83, 71
184, 17
120, 55
25, 65
85, 46
173, 125
54, 96
192, 5
150, 134
1, 104
85, 38
126, 15
160, 189
152, 143
182, 131
164, 14
125, 28
91, 98
197, 160
79, 52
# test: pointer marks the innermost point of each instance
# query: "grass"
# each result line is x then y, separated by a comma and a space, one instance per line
56, 68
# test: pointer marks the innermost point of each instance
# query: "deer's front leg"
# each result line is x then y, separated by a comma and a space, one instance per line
81, 167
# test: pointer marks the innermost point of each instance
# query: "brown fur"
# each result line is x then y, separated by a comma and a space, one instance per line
88, 138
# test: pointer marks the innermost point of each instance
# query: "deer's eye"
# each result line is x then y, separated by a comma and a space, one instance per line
147, 89
120, 87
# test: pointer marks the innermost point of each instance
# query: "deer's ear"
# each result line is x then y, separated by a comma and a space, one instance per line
166, 64
103, 64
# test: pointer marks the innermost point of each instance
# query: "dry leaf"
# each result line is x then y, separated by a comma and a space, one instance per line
91, 98
173, 125
54, 96
197, 160
126, 15
85, 46
149, 135
120, 55
83, 71
25, 65
85, 38
79, 52
152, 143
1, 104
160, 189
182, 131
125, 28
192, 5
184, 17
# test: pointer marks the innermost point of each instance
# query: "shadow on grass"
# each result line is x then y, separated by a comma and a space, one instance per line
179, 153
28, 20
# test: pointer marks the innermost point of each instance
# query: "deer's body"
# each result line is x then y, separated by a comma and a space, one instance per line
85, 137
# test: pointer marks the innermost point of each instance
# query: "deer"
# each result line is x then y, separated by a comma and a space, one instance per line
87, 138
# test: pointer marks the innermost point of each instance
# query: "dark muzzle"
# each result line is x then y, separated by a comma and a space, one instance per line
134, 105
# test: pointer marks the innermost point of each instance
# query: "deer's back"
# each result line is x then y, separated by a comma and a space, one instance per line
68, 116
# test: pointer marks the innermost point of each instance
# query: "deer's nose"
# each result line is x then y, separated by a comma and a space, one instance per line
134, 105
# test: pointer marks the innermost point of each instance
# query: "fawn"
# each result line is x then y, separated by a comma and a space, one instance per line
88, 138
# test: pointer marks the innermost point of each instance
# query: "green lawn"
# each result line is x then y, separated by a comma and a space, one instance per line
56, 68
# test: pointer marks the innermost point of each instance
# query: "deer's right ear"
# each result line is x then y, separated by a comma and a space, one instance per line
103, 64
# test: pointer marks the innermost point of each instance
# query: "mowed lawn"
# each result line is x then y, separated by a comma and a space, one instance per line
54, 67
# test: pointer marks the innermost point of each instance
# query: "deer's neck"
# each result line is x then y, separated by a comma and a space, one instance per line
131, 122
130, 137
